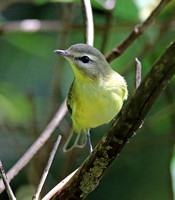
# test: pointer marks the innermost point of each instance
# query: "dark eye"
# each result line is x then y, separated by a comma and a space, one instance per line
85, 59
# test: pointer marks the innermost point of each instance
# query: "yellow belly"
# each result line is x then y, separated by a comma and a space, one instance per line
94, 106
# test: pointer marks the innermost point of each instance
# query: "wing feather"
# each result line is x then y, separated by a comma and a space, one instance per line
70, 98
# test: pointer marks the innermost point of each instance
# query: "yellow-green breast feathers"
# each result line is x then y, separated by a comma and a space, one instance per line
94, 103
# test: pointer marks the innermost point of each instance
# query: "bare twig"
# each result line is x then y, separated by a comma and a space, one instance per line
138, 30
138, 78
46, 170
6, 183
58, 187
36, 145
89, 22
138, 73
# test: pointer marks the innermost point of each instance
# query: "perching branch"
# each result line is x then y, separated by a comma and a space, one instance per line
86, 4
129, 120
138, 30
36, 145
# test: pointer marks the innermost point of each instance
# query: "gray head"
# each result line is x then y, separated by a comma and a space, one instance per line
86, 61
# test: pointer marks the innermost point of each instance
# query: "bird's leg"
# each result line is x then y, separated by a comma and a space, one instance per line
89, 141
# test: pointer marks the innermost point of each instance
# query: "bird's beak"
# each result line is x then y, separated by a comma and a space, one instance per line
62, 53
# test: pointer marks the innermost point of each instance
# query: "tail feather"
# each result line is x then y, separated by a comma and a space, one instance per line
75, 140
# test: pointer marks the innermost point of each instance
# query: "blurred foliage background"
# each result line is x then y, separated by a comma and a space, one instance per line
34, 81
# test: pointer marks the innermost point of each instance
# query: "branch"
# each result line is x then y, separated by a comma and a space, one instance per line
36, 145
59, 186
6, 183
88, 21
138, 30
129, 120
46, 170
138, 75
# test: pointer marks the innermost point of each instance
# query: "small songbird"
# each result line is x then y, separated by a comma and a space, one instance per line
96, 94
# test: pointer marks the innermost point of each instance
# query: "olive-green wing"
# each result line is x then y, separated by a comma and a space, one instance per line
70, 98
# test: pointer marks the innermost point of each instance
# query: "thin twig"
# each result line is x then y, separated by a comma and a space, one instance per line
6, 183
58, 187
36, 145
46, 170
89, 22
138, 30
138, 78
138, 73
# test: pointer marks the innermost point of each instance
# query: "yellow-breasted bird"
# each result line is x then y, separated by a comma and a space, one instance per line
96, 94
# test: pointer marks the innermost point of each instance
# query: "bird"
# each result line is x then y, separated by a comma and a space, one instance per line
96, 95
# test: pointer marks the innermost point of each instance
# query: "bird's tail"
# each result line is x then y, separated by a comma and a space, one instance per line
75, 140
